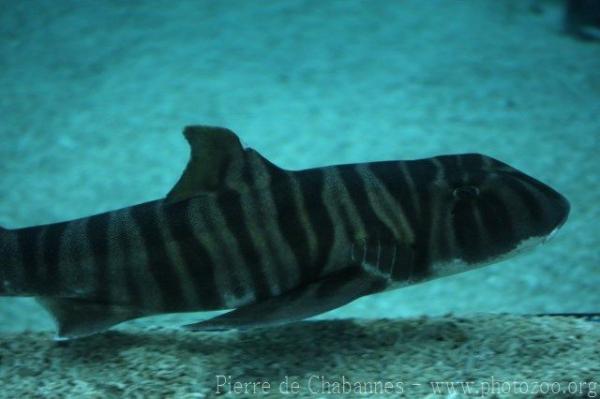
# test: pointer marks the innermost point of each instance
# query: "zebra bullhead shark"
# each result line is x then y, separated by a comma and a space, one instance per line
274, 245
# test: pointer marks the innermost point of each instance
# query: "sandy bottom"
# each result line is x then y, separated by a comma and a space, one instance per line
444, 357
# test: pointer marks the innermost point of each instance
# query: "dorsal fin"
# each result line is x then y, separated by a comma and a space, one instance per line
217, 162
216, 159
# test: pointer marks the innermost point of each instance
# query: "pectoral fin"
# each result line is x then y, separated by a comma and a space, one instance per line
78, 318
326, 294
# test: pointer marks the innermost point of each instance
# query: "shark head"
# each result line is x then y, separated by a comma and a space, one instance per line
483, 211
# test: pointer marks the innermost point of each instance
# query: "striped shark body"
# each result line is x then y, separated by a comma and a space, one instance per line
237, 232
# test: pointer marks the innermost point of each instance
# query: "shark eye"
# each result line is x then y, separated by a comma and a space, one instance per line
466, 193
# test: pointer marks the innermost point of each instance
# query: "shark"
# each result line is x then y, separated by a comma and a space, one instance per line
274, 246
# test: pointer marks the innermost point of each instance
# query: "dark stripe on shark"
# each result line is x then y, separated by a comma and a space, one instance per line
263, 202
460, 165
158, 263
196, 258
498, 222
231, 206
289, 221
450, 233
468, 235
97, 234
356, 197
28, 241
54, 276
398, 188
466, 161
312, 183
423, 172
134, 292
280, 274
529, 198
543, 194
475, 244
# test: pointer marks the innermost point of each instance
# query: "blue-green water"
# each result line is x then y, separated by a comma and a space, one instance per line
95, 94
